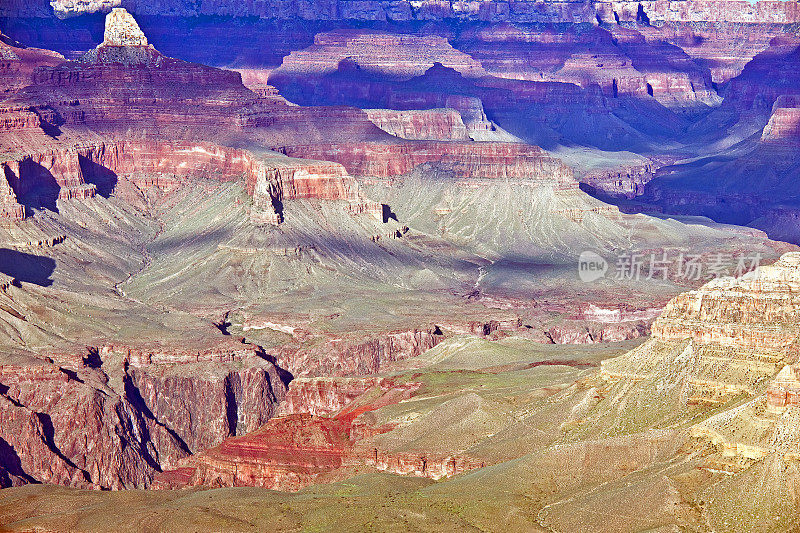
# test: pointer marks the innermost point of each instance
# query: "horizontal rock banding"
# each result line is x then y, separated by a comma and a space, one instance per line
298, 449
466, 160
404, 10
268, 178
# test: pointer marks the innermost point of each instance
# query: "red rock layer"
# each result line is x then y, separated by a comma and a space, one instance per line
70, 169
56, 170
17, 63
324, 395
137, 92
125, 86
19, 118
340, 357
784, 391
466, 160
91, 423
296, 450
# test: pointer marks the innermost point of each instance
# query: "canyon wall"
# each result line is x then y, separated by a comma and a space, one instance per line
399, 10
72, 172
425, 124
757, 311
400, 56
784, 122
300, 448
339, 357
466, 160
111, 420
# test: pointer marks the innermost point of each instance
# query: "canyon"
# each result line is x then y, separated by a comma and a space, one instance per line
391, 265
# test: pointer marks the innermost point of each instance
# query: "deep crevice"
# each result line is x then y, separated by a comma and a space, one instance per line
134, 396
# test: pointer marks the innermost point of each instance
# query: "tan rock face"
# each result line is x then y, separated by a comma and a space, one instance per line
784, 391
784, 123
759, 311
730, 337
731, 345
429, 124
122, 30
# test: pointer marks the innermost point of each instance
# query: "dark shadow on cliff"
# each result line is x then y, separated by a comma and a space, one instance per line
631, 206
11, 465
133, 395
285, 375
27, 268
103, 178
48, 437
36, 187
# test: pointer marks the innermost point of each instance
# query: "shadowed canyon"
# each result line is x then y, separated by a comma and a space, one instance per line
363, 265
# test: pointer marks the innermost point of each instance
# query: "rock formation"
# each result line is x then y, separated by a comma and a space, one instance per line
17, 63
72, 172
429, 124
528, 11
143, 412
361, 357
122, 30
295, 450
784, 122
395, 56
465, 160
614, 58
163, 221
734, 338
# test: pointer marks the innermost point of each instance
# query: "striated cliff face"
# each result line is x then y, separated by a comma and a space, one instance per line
77, 171
296, 450
757, 311
424, 124
732, 339
323, 396
137, 415
465, 160
340, 357
784, 122
41, 179
398, 56
484, 10
621, 61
